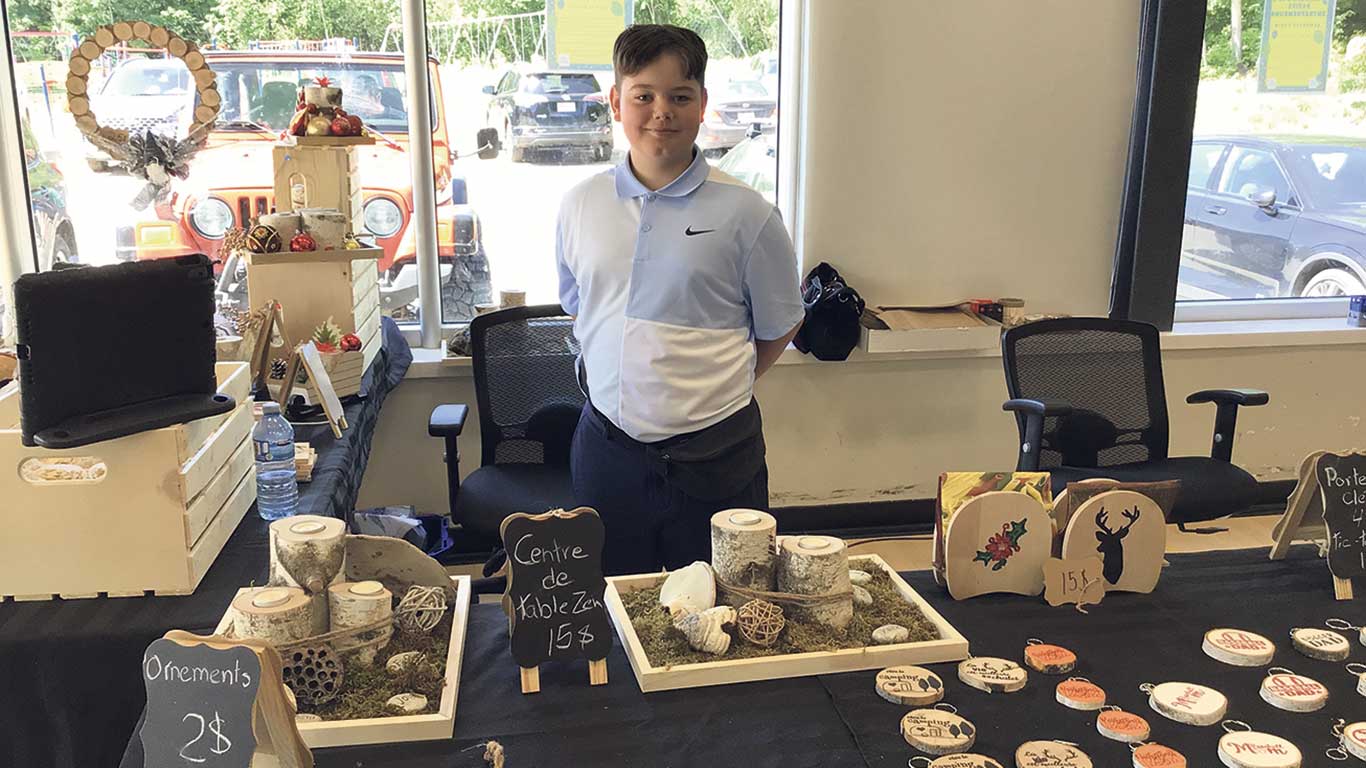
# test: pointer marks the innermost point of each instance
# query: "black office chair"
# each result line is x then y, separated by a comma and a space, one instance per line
1089, 401
529, 402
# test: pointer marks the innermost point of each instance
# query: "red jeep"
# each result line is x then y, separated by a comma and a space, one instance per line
231, 178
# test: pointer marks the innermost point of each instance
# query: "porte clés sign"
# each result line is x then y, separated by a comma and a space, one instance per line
1242, 747
1187, 702
1286, 690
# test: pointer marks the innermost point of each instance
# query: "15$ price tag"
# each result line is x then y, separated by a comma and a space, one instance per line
1076, 581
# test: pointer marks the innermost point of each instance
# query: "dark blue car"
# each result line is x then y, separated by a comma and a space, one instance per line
1273, 216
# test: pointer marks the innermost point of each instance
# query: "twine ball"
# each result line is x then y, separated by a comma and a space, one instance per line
760, 622
421, 609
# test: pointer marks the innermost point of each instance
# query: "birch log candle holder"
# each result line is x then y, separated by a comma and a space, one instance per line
360, 604
277, 615
309, 552
817, 566
743, 553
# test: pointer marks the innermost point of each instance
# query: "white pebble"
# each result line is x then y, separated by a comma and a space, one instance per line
860, 578
398, 661
408, 702
307, 718
890, 634
862, 596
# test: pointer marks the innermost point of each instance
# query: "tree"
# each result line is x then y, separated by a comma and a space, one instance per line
239, 22
187, 18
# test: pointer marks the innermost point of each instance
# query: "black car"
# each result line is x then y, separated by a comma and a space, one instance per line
1270, 216
535, 110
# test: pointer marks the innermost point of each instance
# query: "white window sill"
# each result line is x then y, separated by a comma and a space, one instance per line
1221, 334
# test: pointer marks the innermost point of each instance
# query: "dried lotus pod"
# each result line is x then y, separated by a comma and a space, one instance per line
314, 673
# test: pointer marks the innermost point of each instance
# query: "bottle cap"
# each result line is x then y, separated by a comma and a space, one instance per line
269, 407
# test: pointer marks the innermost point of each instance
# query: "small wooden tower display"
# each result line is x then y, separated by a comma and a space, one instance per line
304, 256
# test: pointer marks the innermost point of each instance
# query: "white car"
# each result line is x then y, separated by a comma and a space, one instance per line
154, 95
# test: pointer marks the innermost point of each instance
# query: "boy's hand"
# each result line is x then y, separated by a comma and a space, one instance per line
768, 352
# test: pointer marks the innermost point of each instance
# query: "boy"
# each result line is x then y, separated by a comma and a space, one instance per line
684, 288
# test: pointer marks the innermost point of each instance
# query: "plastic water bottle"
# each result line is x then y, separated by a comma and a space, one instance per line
277, 489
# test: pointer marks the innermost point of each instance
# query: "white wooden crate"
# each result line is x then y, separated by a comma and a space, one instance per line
165, 506
384, 730
951, 645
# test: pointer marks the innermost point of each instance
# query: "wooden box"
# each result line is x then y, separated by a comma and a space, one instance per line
144, 513
932, 329
383, 730
951, 645
319, 176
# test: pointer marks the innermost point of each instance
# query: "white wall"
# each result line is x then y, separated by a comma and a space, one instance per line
994, 167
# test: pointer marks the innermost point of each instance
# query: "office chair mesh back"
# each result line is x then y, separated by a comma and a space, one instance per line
524, 370
1109, 371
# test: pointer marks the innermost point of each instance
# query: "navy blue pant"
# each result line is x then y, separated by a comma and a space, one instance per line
651, 523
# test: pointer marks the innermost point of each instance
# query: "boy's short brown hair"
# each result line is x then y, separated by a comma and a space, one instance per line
640, 44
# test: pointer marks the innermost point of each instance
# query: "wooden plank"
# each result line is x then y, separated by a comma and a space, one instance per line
951, 646
1342, 588
196, 473
78, 595
364, 282
208, 504
334, 141
338, 256
218, 532
192, 436
404, 728
531, 679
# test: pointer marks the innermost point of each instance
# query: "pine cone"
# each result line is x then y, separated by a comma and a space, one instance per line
278, 368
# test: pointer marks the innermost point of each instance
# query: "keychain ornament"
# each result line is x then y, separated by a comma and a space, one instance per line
1157, 756
1187, 702
1080, 693
1353, 738
1238, 648
993, 675
964, 760
1286, 690
1347, 626
1054, 754
1321, 644
1242, 747
938, 731
1049, 659
1360, 671
910, 686
1118, 725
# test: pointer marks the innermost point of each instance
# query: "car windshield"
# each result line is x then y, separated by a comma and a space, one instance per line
266, 93
1336, 176
149, 78
548, 83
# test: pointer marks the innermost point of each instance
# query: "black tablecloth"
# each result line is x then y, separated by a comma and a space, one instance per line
70, 688
838, 720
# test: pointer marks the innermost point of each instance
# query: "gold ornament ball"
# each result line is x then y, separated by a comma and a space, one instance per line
319, 126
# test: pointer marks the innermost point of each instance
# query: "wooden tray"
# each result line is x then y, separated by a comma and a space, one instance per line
384, 730
334, 141
951, 645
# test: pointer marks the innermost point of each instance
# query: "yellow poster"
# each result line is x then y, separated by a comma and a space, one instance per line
580, 33
1296, 35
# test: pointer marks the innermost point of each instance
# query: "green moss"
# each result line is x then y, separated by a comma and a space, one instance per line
366, 689
665, 646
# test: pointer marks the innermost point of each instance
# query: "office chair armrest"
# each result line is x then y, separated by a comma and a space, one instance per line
1226, 403
448, 420
1034, 412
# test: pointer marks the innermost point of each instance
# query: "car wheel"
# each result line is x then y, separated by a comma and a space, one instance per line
1333, 282
518, 154
468, 285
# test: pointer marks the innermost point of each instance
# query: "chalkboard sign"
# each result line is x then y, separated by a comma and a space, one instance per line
1342, 481
205, 699
555, 586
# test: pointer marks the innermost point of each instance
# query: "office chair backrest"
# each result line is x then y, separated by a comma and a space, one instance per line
1110, 371
525, 384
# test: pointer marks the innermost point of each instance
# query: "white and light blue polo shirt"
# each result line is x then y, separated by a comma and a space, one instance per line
670, 289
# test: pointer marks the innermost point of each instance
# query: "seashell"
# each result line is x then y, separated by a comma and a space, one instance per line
891, 634
862, 596
705, 630
407, 702
689, 590
399, 661
860, 578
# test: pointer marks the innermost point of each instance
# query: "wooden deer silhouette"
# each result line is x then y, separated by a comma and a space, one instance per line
1111, 547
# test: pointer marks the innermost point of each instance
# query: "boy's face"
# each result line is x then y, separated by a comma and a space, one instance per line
660, 109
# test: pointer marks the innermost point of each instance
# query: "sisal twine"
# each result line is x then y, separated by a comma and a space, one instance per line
787, 598
342, 635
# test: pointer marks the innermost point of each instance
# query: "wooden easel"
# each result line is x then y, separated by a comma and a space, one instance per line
319, 385
269, 320
531, 676
1303, 519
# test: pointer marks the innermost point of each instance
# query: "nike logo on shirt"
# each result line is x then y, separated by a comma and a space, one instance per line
690, 231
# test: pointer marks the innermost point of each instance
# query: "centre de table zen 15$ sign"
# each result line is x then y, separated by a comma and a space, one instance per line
554, 596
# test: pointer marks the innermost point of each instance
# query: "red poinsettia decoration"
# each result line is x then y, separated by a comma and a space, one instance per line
1001, 546
322, 81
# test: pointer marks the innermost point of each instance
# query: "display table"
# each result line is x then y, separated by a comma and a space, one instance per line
838, 720
70, 668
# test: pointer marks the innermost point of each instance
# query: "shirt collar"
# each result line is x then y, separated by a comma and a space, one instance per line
687, 182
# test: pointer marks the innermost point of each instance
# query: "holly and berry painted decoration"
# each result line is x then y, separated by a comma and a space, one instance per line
1001, 546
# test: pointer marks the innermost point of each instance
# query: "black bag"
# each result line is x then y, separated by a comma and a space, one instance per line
833, 310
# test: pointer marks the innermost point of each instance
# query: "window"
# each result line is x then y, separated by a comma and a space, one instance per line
1286, 94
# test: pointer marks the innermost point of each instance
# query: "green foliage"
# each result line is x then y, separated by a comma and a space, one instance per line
239, 22
187, 18
32, 15
1220, 60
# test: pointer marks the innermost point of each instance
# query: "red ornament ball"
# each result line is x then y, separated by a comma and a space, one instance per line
303, 242
340, 126
350, 343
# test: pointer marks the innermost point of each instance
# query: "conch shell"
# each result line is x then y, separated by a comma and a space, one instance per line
705, 630
689, 590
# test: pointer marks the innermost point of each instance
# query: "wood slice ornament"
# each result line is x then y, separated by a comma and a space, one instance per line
1286, 690
909, 686
997, 542
1157, 756
1242, 747
1187, 703
962, 760
1347, 626
1118, 725
1360, 671
1321, 644
992, 675
1238, 647
1354, 739
1129, 533
1049, 659
938, 731
817, 566
1080, 693
1053, 754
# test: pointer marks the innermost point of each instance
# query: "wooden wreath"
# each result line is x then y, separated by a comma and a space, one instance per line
115, 140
